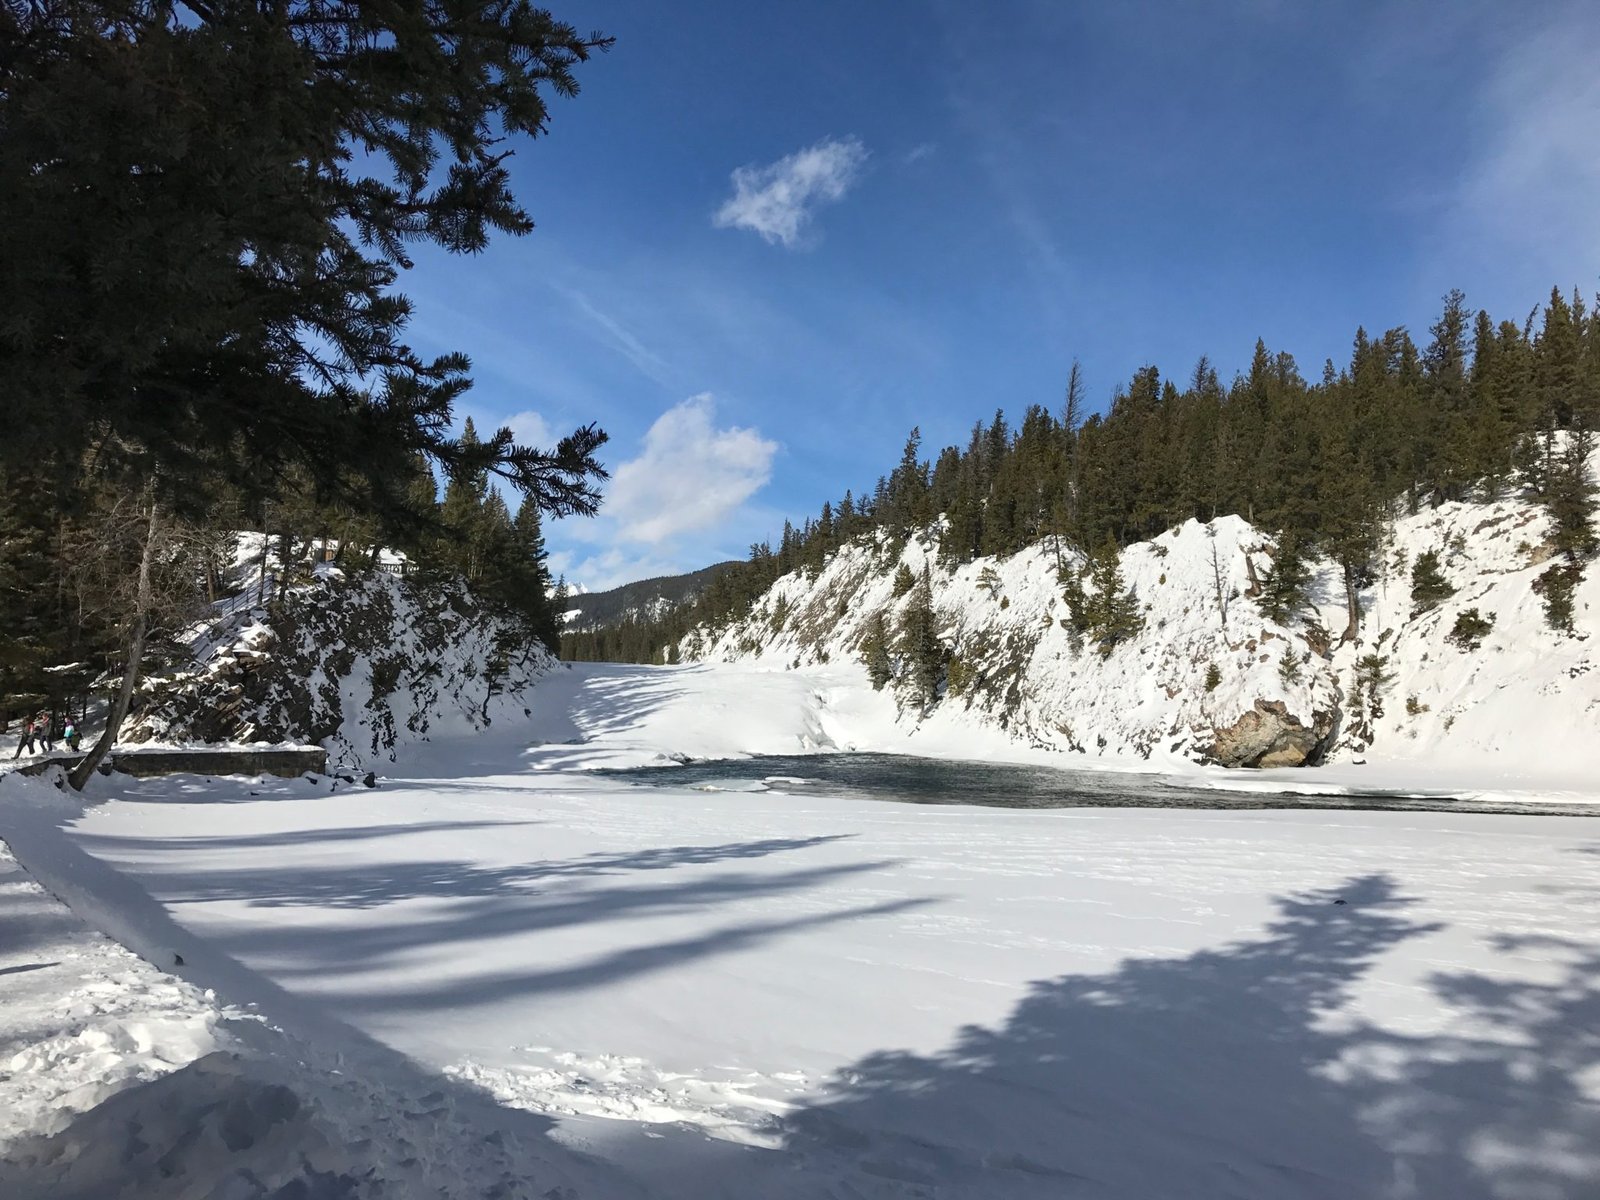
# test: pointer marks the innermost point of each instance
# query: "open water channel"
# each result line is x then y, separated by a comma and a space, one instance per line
912, 780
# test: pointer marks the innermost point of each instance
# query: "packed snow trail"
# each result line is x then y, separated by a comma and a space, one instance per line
747, 993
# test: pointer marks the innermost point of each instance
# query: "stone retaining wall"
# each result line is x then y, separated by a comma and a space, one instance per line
143, 764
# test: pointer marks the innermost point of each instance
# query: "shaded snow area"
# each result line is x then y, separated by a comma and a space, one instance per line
365, 666
1516, 712
500, 974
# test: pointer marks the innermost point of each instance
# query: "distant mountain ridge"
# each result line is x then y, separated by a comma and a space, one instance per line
644, 599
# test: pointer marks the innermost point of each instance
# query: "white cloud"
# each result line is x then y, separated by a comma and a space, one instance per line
608, 569
919, 152
531, 429
690, 475
776, 201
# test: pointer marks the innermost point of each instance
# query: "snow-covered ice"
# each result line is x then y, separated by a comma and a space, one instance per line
685, 993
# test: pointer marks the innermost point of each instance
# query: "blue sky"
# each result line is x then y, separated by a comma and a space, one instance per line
772, 238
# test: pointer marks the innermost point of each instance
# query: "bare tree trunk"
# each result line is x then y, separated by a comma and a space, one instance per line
89, 763
1216, 575
1352, 601
285, 552
261, 579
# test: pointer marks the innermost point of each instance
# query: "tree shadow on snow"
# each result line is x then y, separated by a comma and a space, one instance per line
1238, 1072
361, 885
317, 1108
1243, 1071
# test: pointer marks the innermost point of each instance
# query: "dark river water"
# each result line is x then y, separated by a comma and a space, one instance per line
910, 780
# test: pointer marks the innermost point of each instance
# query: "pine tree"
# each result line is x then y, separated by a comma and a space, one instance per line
1557, 586
917, 639
875, 652
1443, 450
1113, 613
29, 628
535, 590
1570, 498
906, 494
1283, 592
183, 201
464, 535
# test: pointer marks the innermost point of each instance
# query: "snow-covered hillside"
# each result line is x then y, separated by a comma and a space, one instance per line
1210, 677
362, 664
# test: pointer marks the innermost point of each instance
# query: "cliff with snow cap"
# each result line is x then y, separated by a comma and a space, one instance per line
1210, 677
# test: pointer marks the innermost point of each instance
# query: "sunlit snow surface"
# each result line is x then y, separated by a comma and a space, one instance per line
776, 992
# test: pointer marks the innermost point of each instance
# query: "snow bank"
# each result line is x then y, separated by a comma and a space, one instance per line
80, 1017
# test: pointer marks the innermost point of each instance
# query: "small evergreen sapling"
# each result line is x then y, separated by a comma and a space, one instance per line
875, 652
1429, 587
1373, 677
1470, 629
1558, 586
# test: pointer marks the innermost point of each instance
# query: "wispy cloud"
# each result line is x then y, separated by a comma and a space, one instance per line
1529, 191
620, 337
918, 152
689, 476
777, 200
991, 109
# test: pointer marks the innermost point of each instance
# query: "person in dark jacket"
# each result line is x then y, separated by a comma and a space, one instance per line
26, 741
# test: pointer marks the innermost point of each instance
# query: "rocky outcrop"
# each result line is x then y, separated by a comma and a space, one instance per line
1269, 735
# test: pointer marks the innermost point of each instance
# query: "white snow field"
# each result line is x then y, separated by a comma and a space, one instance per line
500, 975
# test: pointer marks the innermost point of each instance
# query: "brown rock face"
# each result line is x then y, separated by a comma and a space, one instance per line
1269, 735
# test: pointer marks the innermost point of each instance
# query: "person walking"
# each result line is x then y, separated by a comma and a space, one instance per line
25, 742
69, 735
44, 727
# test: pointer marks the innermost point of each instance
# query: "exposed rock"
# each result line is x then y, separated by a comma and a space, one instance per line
1269, 735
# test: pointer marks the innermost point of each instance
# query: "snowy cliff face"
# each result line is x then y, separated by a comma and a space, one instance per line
1210, 678
361, 665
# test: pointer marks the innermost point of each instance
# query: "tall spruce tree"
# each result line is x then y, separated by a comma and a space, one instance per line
208, 206
207, 209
